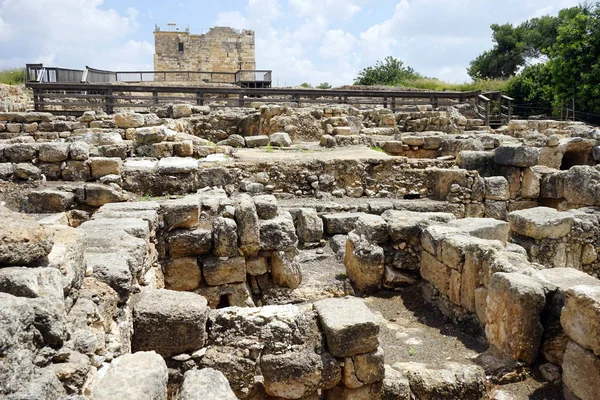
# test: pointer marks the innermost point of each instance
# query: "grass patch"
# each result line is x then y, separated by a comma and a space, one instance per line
376, 148
438, 85
269, 148
14, 76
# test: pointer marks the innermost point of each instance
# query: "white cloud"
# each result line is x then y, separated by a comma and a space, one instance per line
232, 19
331, 8
68, 33
337, 43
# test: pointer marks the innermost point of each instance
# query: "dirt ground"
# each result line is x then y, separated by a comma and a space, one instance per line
413, 330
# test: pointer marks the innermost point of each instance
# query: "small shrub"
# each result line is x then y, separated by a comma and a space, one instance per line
269, 148
376, 148
324, 85
14, 76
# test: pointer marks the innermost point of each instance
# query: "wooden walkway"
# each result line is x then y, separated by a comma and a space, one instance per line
70, 96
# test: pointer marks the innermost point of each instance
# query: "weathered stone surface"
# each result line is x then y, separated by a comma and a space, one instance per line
225, 238
67, 256
101, 166
181, 110
483, 228
373, 228
205, 384
49, 201
266, 206
395, 385
23, 241
517, 156
129, 120
496, 188
364, 263
182, 274
220, 271
139, 376
248, 225
79, 151
97, 195
26, 171
280, 139
257, 141
285, 270
514, 305
53, 152
581, 371
278, 233
181, 213
580, 317
435, 272
367, 392
530, 185
257, 265
309, 226
150, 135
449, 380
541, 223
355, 331
363, 369
169, 322
186, 243
177, 165
292, 375
340, 223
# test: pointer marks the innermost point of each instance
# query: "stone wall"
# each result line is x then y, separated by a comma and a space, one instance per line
221, 49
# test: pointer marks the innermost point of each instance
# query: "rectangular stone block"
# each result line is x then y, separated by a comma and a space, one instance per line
435, 272
220, 271
581, 372
351, 332
340, 223
580, 317
101, 166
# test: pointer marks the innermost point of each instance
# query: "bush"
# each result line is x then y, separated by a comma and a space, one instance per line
324, 85
389, 72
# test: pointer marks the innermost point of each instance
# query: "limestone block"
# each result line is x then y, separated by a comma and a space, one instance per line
266, 206
220, 271
23, 241
6, 171
248, 225
517, 156
101, 166
496, 209
373, 228
309, 226
483, 228
448, 380
393, 278
162, 149
278, 233
444, 179
481, 304
541, 223
395, 385
97, 195
257, 265
233, 141
79, 151
355, 331
285, 270
180, 213
256, 141
496, 188
129, 120
177, 165
53, 152
21, 152
138, 376
514, 305
340, 223
185, 243
49, 201
169, 322
435, 272
292, 375
183, 149
364, 264
363, 369
205, 384
150, 135
367, 392
406, 226
181, 110
393, 147
225, 237
26, 171
581, 371
280, 139
580, 317
530, 185
182, 274
482, 161
76, 171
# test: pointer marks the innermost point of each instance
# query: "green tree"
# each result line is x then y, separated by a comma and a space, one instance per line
575, 59
324, 85
390, 71
306, 85
532, 90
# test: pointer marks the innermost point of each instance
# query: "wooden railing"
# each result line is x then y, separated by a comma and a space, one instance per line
77, 97
494, 107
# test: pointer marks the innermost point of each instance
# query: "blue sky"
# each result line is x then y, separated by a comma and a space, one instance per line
300, 40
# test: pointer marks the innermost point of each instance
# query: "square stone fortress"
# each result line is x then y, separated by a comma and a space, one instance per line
221, 49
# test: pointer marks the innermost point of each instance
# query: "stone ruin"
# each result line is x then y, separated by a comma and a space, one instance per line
260, 253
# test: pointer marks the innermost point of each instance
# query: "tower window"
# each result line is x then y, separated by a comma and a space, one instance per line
180, 46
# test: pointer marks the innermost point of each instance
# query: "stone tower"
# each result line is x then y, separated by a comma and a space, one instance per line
221, 49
